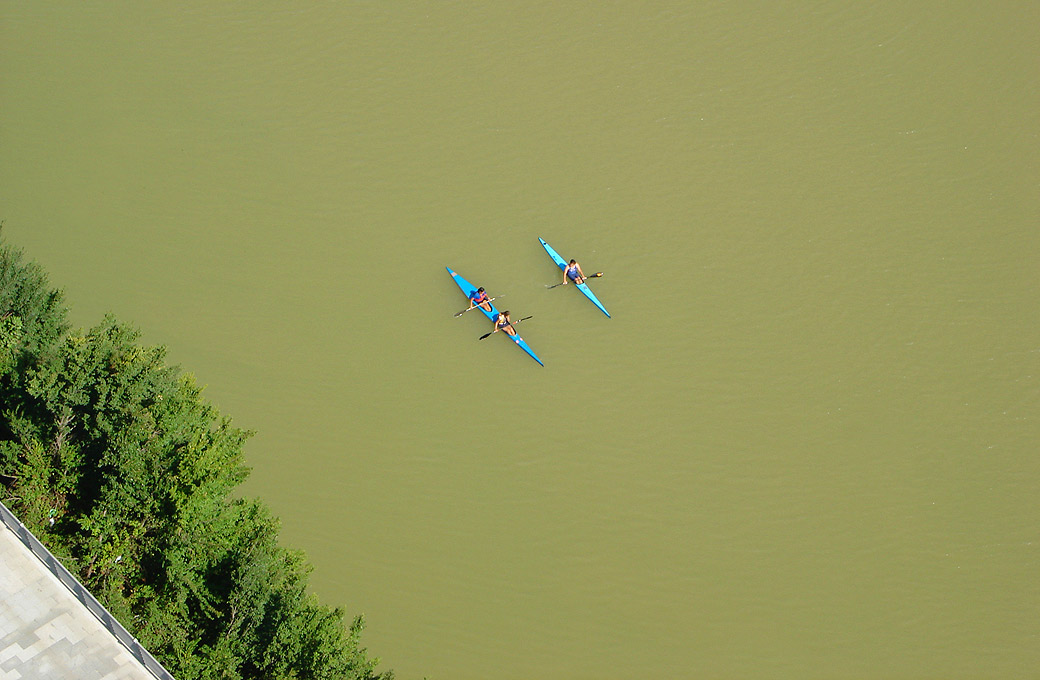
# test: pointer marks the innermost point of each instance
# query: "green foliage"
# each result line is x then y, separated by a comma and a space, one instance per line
45, 477
117, 461
25, 295
10, 340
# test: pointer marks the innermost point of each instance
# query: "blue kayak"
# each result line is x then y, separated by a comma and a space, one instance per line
467, 290
583, 287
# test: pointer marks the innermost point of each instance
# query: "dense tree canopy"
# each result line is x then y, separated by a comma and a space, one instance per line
118, 463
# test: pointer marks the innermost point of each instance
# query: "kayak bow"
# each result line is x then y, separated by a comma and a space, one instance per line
467, 290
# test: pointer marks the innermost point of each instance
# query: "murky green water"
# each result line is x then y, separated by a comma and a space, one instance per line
803, 447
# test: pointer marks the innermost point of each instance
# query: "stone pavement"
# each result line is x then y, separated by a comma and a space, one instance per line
46, 632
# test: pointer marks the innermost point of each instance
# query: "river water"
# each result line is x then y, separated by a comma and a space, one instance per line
805, 445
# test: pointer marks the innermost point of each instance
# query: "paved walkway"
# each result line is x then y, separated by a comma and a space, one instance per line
45, 632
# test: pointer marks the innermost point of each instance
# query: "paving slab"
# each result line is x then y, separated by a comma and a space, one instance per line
46, 632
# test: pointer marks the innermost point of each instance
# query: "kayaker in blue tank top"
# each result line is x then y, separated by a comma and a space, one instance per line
573, 272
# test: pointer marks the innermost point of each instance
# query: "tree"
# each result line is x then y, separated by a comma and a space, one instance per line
34, 312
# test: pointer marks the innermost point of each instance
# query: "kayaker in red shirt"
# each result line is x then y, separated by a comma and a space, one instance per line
479, 298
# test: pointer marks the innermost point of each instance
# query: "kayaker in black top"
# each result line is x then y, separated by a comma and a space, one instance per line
504, 323
573, 271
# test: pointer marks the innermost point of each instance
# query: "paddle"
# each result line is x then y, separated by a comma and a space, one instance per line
498, 329
458, 314
590, 276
